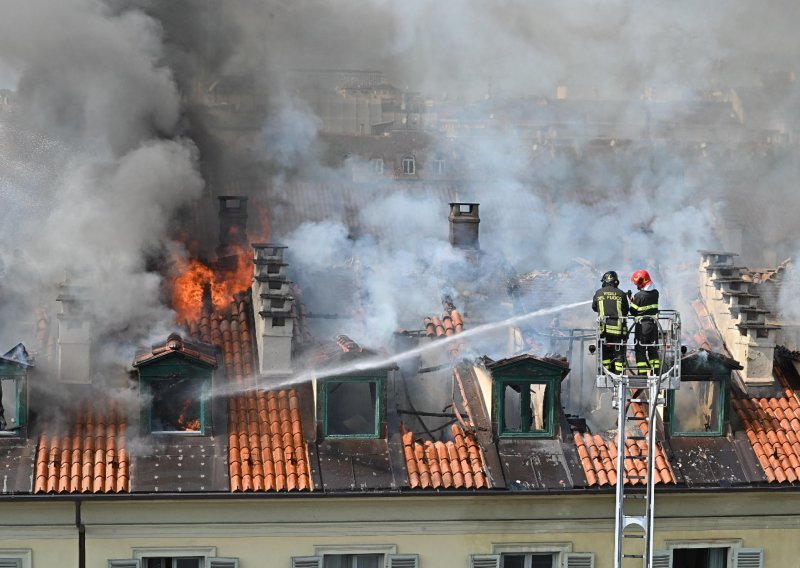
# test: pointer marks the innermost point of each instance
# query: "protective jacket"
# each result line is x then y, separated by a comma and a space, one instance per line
611, 303
644, 303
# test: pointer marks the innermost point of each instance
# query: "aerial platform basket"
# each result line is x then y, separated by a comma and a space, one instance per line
668, 345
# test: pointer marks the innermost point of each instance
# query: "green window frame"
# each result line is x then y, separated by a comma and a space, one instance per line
328, 395
11, 374
718, 415
526, 413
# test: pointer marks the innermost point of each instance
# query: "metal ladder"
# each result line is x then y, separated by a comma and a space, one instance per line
634, 512
634, 503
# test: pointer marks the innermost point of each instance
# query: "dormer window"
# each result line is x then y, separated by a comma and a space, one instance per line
352, 406
175, 387
699, 406
526, 396
526, 407
14, 390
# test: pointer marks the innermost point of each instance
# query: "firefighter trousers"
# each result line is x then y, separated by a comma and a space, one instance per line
614, 355
645, 346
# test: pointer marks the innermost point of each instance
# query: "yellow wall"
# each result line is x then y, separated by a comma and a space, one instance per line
443, 529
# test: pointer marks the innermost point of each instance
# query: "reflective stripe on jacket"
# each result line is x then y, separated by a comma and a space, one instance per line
611, 303
645, 303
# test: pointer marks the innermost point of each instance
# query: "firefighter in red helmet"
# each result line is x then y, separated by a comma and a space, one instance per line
611, 304
644, 308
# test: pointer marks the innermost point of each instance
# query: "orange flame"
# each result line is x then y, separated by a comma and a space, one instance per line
187, 423
193, 277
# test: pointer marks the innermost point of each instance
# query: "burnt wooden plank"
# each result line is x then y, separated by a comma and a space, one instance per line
483, 425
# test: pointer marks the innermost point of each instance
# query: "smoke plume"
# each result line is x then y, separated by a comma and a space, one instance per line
672, 131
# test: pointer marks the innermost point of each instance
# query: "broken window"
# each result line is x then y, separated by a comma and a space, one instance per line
409, 165
177, 405
352, 407
525, 407
697, 408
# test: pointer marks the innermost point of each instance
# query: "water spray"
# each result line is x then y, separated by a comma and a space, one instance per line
379, 362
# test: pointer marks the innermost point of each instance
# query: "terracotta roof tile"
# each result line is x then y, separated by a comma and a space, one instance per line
89, 458
455, 464
772, 426
266, 449
598, 457
451, 322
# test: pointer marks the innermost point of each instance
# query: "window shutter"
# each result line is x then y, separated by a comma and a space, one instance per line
484, 561
580, 560
404, 561
306, 561
662, 559
10, 562
748, 558
223, 562
125, 563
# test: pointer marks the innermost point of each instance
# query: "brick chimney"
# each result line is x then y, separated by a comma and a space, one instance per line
738, 316
464, 225
74, 345
232, 230
273, 305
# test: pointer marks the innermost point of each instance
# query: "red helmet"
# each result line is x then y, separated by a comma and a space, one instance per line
641, 278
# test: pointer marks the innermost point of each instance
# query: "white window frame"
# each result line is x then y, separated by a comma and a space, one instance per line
335, 549
558, 549
377, 165
23, 554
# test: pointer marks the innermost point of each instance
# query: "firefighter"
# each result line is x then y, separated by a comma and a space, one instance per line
644, 308
611, 304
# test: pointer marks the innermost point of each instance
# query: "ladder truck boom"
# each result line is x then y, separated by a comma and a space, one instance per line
642, 393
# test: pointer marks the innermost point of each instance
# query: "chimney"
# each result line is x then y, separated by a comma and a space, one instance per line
74, 346
736, 312
464, 225
273, 303
232, 230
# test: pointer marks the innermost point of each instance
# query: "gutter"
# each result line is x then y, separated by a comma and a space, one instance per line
263, 496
